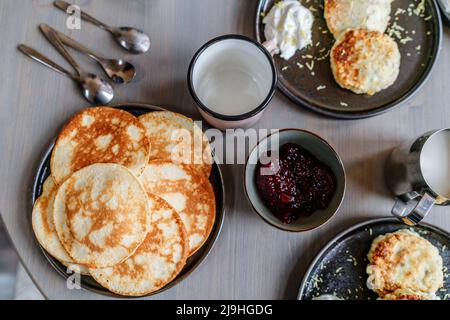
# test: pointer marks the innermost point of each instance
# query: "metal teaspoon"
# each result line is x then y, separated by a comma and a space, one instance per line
95, 89
118, 70
35, 55
132, 39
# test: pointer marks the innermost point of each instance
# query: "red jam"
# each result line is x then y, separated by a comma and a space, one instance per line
301, 186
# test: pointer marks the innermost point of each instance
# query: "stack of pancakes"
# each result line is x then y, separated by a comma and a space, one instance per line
128, 199
364, 59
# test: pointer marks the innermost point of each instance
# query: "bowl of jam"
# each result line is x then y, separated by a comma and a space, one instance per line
295, 180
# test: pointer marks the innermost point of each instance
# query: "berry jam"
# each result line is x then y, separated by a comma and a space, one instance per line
295, 183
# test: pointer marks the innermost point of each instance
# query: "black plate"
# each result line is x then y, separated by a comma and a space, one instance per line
193, 262
347, 254
416, 65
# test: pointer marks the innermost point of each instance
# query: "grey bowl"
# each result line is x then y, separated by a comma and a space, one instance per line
320, 149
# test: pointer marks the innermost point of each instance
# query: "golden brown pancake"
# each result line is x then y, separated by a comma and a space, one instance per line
43, 224
409, 295
341, 15
177, 138
365, 62
189, 192
101, 215
99, 135
156, 262
403, 261
44, 227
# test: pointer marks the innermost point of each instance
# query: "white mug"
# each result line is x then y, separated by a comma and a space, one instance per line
232, 79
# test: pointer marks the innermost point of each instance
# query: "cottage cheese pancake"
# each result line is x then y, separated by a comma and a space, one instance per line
365, 62
156, 262
404, 261
99, 135
189, 192
409, 295
341, 15
101, 214
177, 138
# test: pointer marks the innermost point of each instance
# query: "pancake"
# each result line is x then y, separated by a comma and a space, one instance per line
409, 295
177, 138
99, 135
43, 224
156, 262
365, 62
404, 261
101, 214
44, 227
189, 192
341, 15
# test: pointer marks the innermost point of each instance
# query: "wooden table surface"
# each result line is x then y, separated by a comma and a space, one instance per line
251, 260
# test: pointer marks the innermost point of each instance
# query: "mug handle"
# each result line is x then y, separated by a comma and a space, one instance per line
412, 207
271, 47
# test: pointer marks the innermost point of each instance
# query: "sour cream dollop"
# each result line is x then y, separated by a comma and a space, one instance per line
289, 25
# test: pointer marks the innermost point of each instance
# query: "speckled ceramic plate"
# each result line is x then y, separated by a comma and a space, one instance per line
340, 267
300, 79
192, 263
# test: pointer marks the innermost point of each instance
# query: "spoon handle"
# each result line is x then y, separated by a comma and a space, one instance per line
63, 5
51, 36
68, 41
39, 57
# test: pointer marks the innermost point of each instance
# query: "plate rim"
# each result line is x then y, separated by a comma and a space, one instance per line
348, 230
211, 241
398, 102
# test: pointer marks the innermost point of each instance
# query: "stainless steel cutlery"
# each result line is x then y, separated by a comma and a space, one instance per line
94, 88
131, 39
118, 70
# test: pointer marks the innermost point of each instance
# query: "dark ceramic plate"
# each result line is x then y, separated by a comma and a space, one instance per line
340, 268
300, 85
193, 262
